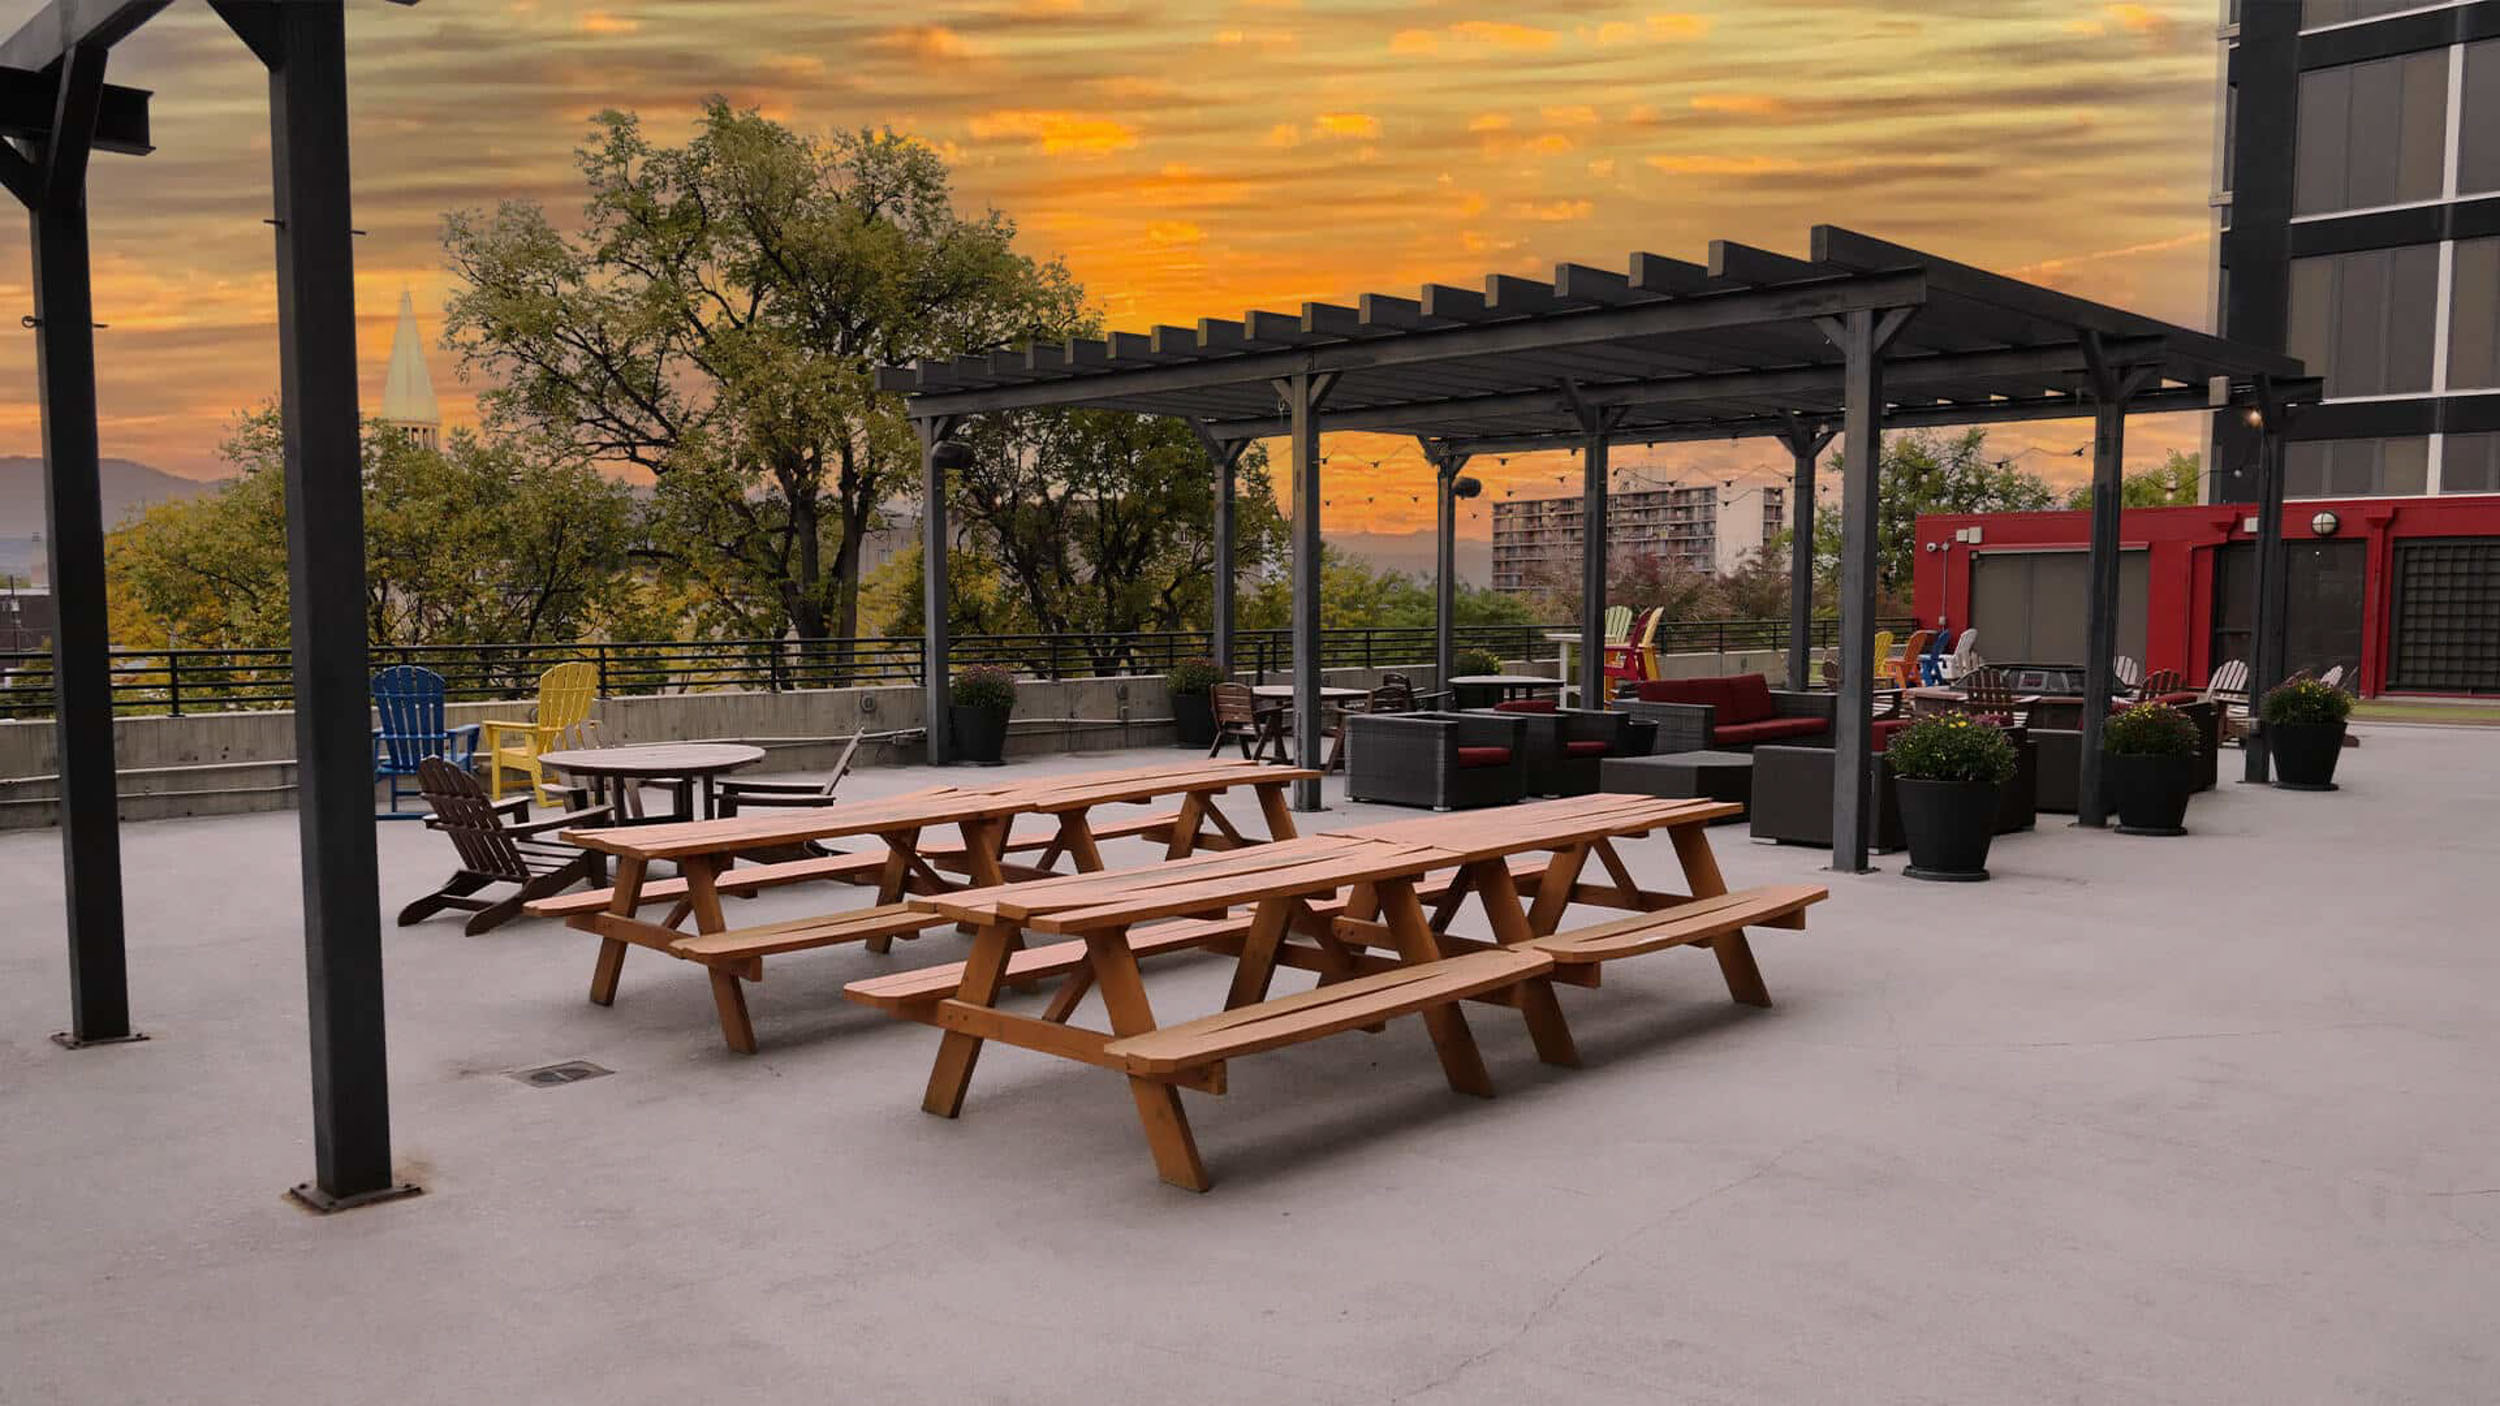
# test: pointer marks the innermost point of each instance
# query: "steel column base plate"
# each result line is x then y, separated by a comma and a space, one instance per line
68, 1041
312, 1198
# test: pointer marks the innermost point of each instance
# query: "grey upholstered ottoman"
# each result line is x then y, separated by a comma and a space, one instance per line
1718, 776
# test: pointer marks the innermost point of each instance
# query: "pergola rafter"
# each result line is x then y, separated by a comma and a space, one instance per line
1862, 335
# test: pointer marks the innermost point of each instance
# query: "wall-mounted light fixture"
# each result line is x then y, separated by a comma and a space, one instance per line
2325, 523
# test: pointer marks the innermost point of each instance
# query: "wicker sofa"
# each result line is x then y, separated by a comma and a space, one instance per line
1733, 712
1792, 793
1567, 746
1448, 761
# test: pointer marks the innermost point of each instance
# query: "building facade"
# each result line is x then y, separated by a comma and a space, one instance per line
1536, 540
2358, 203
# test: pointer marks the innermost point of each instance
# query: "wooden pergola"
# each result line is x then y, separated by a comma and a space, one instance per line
1860, 336
55, 110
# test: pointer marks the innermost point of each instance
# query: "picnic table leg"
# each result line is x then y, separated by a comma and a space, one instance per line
1159, 1108
957, 1051
1185, 826
1461, 1063
1553, 888
611, 963
1735, 954
1621, 873
1279, 815
1258, 954
729, 997
1224, 827
1077, 833
901, 848
1513, 924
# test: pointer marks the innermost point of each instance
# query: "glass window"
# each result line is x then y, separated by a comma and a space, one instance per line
2474, 316
2470, 463
2356, 468
2371, 134
2478, 138
2365, 320
2314, 13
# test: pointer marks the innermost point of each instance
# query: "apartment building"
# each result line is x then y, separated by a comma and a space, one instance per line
1707, 527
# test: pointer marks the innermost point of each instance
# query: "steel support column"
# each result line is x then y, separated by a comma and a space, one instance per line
1226, 456
1596, 451
2112, 388
305, 48
2270, 639
1861, 336
936, 636
51, 180
1805, 440
1302, 395
1446, 465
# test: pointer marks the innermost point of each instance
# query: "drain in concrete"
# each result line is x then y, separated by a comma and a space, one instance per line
571, 1071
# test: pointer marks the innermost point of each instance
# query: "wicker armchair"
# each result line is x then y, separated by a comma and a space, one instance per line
1735, 713
1567, 746
1448, 761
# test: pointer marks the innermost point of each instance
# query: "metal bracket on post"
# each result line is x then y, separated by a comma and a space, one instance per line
2113, 387
1225, 454
938, 453
1301, 396
1806, 439
1862, 337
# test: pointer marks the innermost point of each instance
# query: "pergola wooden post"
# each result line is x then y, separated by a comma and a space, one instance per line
2112, 385
1805, 440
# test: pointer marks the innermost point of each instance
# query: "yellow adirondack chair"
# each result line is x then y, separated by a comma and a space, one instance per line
1618, 623
1883, 655
561, 720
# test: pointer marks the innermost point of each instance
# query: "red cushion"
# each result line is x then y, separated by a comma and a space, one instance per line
1586, 749
1748, 699
1526, 705
1704, 691
1885, 728
1483, 756
2179, 699
1767, 730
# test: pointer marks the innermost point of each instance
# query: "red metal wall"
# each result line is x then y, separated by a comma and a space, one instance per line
2180, 543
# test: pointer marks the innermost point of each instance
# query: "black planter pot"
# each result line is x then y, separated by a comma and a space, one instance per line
1948, 825
1471, 696
1193, 716
980, 734
2304, 754
2152, 792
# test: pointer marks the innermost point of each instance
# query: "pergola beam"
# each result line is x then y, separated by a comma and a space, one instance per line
28, 112
61, 26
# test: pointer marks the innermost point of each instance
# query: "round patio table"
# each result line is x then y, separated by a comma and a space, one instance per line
1279, 730
682, 768
1508, 686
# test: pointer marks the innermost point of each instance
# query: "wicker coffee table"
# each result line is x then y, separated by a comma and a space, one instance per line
1718, 776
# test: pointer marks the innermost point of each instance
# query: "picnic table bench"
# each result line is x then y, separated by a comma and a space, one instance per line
705, 853
1349, 906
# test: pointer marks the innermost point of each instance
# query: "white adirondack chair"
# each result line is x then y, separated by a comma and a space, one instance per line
1964, 658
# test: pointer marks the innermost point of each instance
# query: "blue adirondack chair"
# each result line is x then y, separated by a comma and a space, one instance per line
1931, 667
410, 703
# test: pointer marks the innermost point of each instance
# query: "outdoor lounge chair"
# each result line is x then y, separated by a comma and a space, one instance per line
560, 721
1734, 712
1239, 719
497, 844
1792, 792
409, 701
1448, 761
1567, 747
1963, 659
2227, 690
734, 795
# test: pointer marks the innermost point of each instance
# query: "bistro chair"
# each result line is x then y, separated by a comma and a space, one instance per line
560, 721
498, 844
409, 702
1239, 719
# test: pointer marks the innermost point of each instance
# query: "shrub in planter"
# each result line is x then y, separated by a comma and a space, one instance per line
2155, 760
2304, 733
1949, 771
983, 697
1189, 683
1475, 661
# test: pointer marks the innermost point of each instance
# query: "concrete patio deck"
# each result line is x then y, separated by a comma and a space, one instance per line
2196, 1120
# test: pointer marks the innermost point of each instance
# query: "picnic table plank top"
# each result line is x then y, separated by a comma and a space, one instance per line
1076, 902
934, 805
1495, 831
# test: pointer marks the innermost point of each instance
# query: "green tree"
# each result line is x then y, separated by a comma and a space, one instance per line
1923, 472
476, 543
2179, 479
718, 321
1356, 595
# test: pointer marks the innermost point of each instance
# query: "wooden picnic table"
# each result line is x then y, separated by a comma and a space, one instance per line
1348, 905
704, 852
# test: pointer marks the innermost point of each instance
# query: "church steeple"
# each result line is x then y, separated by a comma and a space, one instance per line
407, 390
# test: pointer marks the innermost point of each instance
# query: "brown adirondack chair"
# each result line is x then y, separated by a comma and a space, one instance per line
1239, 719
498, 844
2160, 684
1986, 697
749, 795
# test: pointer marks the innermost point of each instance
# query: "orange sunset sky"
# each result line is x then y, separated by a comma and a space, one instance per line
1195, 159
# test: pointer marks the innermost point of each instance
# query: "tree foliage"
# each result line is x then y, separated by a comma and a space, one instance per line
2179, 479
1354, 594
717, 321
476, 543
1923, 472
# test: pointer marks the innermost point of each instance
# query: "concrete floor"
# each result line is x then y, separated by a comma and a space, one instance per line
2196, 1120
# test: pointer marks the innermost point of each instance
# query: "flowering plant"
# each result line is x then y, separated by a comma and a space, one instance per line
1951, 747
985, 686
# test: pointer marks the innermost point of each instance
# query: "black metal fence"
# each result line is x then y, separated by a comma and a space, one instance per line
178, 681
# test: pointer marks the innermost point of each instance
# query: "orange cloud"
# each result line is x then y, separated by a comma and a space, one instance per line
601, 22
927, 41
1056, 133
1700, 165
1553, 211
1740, 104
1576, 115
1678, 26
1414, 41
1502, 35
1174, 232
1347, 124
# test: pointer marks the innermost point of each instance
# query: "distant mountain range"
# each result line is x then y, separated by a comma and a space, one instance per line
128, 488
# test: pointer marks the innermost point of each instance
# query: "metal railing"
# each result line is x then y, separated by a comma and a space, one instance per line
179, 681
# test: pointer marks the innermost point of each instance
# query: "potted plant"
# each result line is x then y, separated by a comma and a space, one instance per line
982, 698
1193, 712
1949, 770
1474, 661
2304, 733
2155, 762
